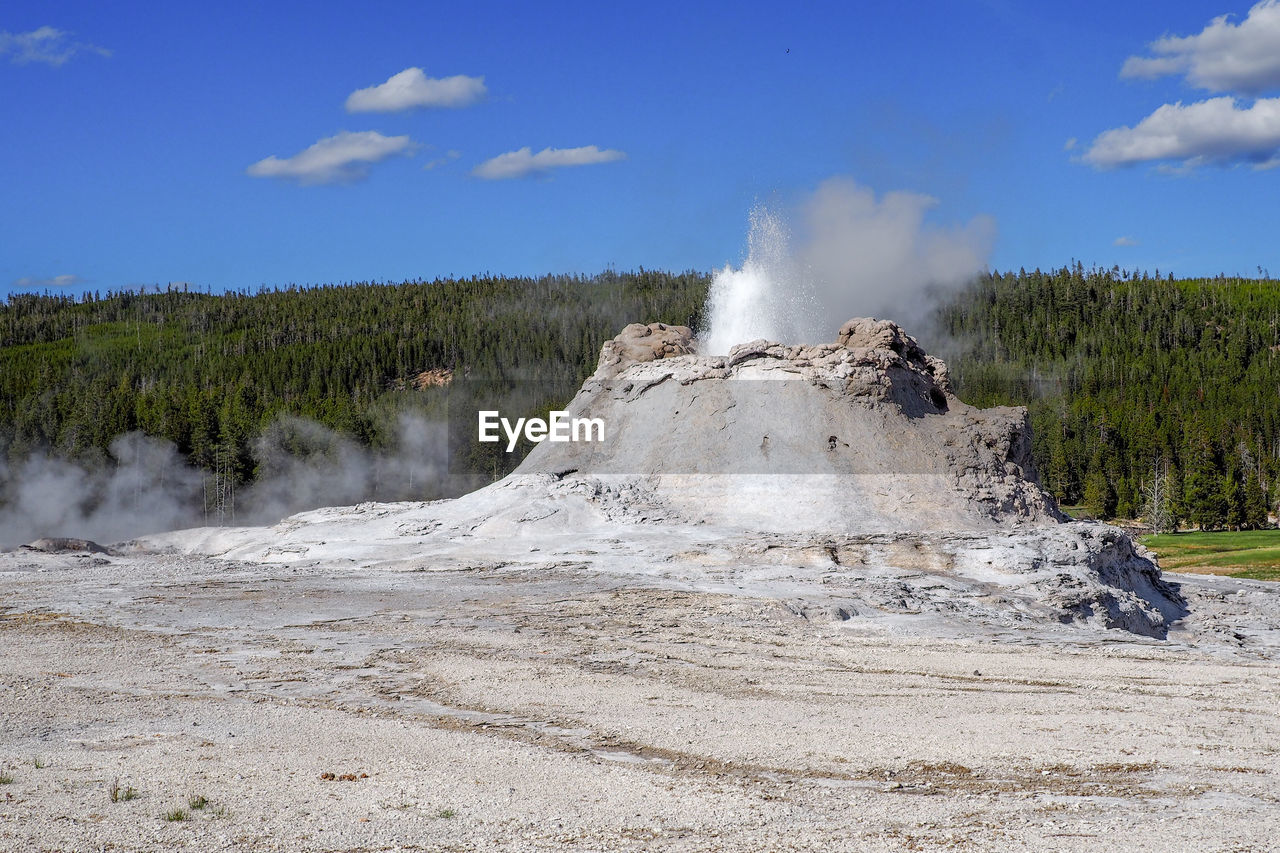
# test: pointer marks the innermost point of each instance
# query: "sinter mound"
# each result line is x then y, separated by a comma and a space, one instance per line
861, 435
852, 460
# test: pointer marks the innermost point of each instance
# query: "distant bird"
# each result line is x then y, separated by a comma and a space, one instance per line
788, 50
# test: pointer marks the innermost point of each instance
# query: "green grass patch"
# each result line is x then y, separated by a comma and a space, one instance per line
1258, 574
1253, 554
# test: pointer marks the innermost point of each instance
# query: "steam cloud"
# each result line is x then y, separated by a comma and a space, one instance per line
850, 255
148, 487
302, 464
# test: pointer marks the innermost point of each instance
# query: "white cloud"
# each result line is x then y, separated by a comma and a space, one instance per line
45, 44
1069, 144
343, 158
1212, 131
519, 164
1124, 241
1224, 57
412, 88
43, 283
448, 157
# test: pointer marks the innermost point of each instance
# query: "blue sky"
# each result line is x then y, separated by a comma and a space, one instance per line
138, 138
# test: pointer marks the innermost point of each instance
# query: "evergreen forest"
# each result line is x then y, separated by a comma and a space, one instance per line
1150, 396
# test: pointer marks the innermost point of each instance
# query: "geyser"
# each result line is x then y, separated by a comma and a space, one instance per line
852, 253
850, 460
765, 299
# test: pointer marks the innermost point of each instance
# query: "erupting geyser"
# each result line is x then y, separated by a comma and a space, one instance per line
853, 253
767, 298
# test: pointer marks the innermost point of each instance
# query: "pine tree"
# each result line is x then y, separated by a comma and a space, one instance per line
1233, 495
1255, 502
1157, 503
1202, 487
1099, 496
1177, 507
1126, 498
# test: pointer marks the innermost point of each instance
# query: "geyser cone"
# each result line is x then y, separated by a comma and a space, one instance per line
850, 462
860, 435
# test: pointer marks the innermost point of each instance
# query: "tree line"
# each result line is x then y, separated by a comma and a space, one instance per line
1149, 396
211, 373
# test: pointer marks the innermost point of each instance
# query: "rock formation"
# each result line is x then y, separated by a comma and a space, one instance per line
52, 545
861, 435
848, 468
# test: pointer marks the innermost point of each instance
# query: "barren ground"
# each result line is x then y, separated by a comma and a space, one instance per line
521, 709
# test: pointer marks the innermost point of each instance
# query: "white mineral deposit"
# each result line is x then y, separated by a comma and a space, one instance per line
801, 597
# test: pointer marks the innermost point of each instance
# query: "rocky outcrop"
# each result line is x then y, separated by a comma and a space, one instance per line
861, 439
436, 377
862, 434
60, 545
640, 343
846, 473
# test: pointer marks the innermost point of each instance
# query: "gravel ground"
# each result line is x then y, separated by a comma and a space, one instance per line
550, 707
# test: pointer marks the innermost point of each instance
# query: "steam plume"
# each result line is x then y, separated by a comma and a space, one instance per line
147, 486
855, 255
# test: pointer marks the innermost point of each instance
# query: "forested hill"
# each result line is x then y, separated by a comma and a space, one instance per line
1125, 374
211, 372
1128, 374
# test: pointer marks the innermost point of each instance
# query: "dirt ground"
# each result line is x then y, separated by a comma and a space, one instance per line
314, 708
